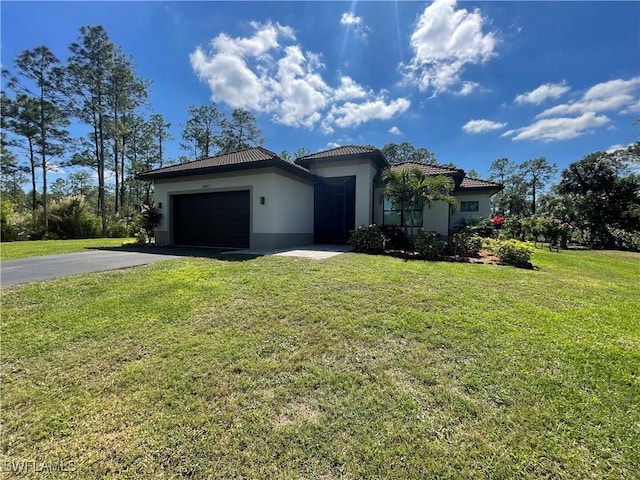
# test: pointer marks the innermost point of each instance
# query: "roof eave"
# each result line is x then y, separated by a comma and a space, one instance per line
273, 162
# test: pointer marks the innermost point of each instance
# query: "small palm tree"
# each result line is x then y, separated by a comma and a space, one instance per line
413, 187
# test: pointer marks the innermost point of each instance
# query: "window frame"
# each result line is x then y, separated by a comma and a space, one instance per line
464, 206
411, 212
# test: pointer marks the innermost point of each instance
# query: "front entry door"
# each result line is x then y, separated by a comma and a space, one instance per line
335, 209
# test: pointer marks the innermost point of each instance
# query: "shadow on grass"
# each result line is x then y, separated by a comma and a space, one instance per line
217, 253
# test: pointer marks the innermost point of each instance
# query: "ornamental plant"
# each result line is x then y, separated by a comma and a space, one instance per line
429, 245
367, 239
511, 252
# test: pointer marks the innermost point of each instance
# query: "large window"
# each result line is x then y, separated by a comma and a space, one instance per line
473, 206
392, 214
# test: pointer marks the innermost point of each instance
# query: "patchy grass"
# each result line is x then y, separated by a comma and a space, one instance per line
353, 367
36, 248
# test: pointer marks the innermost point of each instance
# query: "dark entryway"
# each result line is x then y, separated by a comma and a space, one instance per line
220, 219
335, 209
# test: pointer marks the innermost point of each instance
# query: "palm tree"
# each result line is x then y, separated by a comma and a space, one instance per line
413, 188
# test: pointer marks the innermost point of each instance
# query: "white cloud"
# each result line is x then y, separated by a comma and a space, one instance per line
333, 145
395, 131
444, 41
555, 129
467, 88
480, 126
353, 114
269, 73
355, 23
614, 95
619, 146
542, 93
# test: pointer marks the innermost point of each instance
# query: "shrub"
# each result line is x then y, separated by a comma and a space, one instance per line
150, 218
367, 239
71, 217
511, 252
512, 228
429, 245
395, 238
141, 237
123, 227
465, 244
624, 239
8, 232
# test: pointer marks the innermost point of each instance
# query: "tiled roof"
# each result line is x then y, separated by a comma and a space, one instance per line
250, 158
466, 183
478, 183
429, 169
345, 152
340, 151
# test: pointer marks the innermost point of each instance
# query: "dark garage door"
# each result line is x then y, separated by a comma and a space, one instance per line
211, 219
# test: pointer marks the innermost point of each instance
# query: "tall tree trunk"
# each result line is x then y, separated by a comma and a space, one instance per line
34, 193
122, 157
117, 173
43, 142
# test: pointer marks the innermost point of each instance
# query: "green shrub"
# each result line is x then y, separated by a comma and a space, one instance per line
511, 252
624, 239
123, 227
429, 245
72, 217
367, 239
8, 232
395, 238
141, 237
465, 244
150, 218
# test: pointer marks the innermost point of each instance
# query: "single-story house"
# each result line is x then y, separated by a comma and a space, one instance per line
255, 199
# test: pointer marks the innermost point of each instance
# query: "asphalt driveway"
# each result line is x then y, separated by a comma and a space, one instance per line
33, 269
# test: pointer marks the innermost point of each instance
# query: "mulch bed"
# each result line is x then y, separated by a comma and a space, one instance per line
485, 256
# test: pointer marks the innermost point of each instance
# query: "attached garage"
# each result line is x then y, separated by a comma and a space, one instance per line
247, 199
219, 219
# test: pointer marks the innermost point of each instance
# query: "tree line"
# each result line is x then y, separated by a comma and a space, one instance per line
97, 87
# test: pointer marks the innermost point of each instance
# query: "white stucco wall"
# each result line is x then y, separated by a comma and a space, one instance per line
364, 171
436, 218
288, 207
484, 206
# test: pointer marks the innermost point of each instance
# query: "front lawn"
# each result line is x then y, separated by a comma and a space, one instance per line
36, 248
354, 367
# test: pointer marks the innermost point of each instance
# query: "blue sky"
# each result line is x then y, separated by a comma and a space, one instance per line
470, 81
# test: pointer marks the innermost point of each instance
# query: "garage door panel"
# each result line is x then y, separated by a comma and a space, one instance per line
220, 219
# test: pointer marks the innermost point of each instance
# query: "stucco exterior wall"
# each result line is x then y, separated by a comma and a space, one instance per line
285, 219
436, 218
484, 206
364, 171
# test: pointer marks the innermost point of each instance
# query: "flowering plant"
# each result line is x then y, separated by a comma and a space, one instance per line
497, 222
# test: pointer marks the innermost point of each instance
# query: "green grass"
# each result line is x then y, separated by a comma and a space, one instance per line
36, 248
353, 367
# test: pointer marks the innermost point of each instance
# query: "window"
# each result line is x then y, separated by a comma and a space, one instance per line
469, 206
392, 217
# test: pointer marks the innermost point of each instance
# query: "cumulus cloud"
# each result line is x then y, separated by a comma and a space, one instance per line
395, 131
355, 23
444, 42
269, 73
353, 114
480, 126
542, 93
555, 129
620, 95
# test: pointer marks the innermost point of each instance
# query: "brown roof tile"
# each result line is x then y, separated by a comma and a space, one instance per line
478, 183
249, 158
340, 151
429, 169
345, 151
